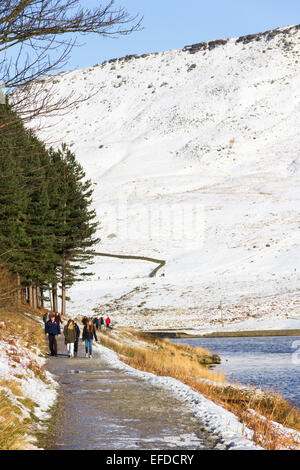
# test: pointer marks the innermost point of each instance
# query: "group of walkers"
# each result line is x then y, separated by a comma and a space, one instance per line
71, 333
99, 322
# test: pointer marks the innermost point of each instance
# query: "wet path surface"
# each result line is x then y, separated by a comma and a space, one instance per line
106, 408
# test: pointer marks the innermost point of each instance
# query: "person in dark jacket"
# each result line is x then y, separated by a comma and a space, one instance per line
84, 321
52, 329
77, 329
96, 322
101, 322
46, 317
88, 334
70, 337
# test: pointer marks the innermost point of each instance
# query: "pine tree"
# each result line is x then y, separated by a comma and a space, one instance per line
25, 238
13, 199
75, 228
47, 226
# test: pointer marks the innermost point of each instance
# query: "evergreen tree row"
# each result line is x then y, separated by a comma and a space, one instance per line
47, 226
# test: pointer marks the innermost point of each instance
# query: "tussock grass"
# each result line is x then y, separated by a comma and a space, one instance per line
17, 327
13, 386
28, 403
164, 357
256, 409
12, 429
268, 408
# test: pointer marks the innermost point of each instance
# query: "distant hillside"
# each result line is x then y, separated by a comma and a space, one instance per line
196, 156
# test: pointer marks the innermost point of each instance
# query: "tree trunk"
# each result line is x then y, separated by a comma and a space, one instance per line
18, 296
51, 302
63, 298
34, 297
42, 298
30, 296
63, 278
54, 297
38, 297
24, 295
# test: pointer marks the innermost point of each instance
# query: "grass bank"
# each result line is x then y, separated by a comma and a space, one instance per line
257, 409
162, 357
22, 343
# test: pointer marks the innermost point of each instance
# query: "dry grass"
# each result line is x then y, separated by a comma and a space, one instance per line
12, 429
15, 326
13, 386
165, 358
190, 366
268, 408
18, 331
28, 403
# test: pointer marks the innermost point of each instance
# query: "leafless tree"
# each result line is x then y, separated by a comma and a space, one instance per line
36, 39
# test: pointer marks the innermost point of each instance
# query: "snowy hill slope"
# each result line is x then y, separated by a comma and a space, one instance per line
196, 158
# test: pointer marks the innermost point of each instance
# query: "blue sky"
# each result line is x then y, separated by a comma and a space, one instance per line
172, 24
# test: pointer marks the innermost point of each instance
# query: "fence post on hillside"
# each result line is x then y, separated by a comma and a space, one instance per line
220, 307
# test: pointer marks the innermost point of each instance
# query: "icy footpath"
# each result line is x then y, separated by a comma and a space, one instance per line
233, 434
102, 407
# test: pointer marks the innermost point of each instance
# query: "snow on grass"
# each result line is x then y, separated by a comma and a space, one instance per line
282, 431
15, 364
23, 379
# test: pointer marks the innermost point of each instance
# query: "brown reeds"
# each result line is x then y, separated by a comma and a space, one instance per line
258, 410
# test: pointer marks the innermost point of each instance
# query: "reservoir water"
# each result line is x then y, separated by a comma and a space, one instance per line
271, 363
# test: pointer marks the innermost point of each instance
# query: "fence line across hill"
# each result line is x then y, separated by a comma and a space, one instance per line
153, 273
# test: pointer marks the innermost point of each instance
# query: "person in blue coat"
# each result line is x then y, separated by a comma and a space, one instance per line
52, 329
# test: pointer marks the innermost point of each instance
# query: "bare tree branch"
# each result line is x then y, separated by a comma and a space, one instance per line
36, 39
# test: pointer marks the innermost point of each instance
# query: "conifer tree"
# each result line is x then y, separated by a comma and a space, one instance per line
75, 231
47, 226
13, 198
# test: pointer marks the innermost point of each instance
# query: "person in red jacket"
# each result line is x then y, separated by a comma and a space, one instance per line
58, 318
107, 321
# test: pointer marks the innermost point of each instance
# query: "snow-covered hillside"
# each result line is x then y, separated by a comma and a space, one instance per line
195, 155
